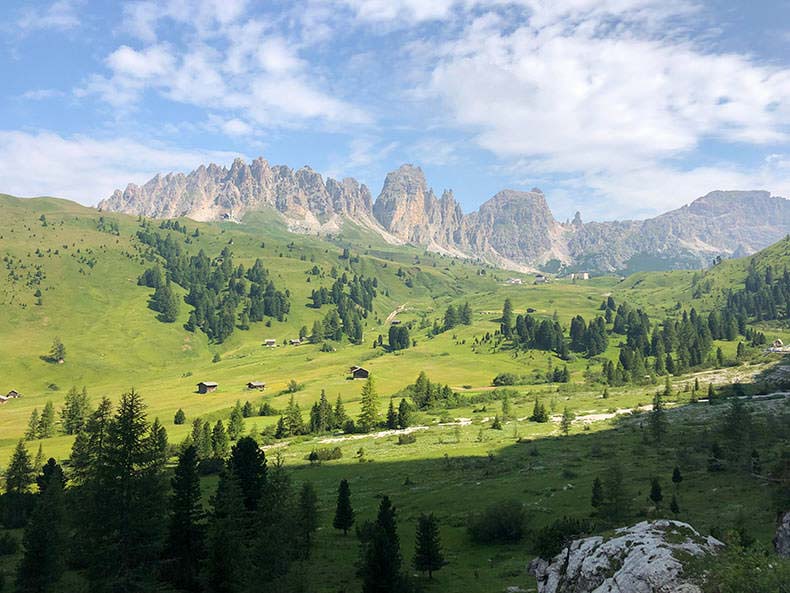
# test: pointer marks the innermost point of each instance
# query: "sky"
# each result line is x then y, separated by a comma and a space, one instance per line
616, 108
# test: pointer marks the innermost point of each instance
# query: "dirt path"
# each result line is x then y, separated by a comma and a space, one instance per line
392, 315
388, 433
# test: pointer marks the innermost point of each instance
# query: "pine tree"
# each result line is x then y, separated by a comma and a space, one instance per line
711, 393
185, 547
33, 422
658, 420
404, 414
344, 513
294, 423
392, 416
38, 462
227, 550
505, 408
369, 415
567, 420
46, 422
20, 471
340, 416
220, 443
674, 506
75, 412
123, 513
597, 499
507, 319
428, 555
236, 422
677, 477
44, 541
380, 566
307, 518
655, 492
617, 501
180, 417
58, 351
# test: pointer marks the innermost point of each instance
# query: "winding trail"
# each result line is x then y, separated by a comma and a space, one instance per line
392, 315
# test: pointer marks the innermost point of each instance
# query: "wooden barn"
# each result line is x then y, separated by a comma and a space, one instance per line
207, 386
270, 343
295, 342
259, 385
13, 394
359, 373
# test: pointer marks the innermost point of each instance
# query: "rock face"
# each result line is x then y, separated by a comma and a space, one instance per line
643, 558
514, 229
782, 537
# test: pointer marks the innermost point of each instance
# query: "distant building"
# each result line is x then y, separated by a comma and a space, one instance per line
295, 342
778, 344
540, 279
514, 281
13, 394
259, 385
3, 399
270, 343
359, 372
207, 386
395, 322
580, 276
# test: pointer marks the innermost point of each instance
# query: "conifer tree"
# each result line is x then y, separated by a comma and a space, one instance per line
20, 471
185, 547
392, 416
294, 423
674, 506
597, 499
46, 422
307, 518
220, 443
507, 318
344, 513
428, 555
677, 477
227, 550
58, 351
339, 414
658, 420
236, 422
380, 566
655, 492
404, 414
44, 541
567, 420
75, 412
180, 417
369, 415
617, 501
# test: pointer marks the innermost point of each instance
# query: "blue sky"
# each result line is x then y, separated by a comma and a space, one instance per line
617, 108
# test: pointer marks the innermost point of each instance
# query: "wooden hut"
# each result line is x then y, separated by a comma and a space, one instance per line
207, 386
358, 372
259, 385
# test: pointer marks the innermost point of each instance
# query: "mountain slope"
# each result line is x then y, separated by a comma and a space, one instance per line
514, 229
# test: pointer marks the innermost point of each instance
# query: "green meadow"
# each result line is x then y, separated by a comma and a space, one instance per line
91, 300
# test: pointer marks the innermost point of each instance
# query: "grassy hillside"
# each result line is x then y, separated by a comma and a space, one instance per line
86, 265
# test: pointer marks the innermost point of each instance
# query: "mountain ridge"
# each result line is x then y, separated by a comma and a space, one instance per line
513, 229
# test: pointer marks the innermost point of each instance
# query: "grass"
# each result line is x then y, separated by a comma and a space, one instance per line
90, 299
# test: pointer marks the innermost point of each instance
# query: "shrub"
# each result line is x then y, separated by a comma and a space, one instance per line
407, 439
503, 522
324, 454
503, 379
267, 409
8, 545
550, 540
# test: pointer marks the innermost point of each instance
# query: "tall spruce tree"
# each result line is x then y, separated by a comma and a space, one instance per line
44, 541
75, 411
369, 414
344, 513
185, 547
307, 518
20, 471
428, 555
380, 565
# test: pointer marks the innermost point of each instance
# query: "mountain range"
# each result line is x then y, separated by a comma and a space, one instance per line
514, 229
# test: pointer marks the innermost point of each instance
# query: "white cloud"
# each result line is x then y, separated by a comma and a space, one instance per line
87, 169
59, 15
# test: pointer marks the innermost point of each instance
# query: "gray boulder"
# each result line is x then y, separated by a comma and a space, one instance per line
782, 537
644, 558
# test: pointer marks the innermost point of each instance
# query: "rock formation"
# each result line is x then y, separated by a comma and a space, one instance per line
513, 229
644, 558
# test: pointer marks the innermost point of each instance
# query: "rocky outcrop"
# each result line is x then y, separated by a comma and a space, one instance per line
782, 537
514, 229
644, 558
211, 192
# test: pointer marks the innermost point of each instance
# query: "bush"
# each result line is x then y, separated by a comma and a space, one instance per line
503, 379
8, 545
324, 454
504, 522
407, 439
267, 409
550, 540
208, 467
294, 386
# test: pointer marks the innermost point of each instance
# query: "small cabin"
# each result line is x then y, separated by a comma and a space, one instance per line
3, 399
270, 343
395, 322
778, 344
295, 342
259, 385
13, 394
207, 386
541, 279
515, 281
359, 373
